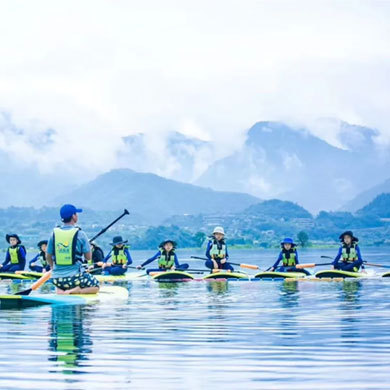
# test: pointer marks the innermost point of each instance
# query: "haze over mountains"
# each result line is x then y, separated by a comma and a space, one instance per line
274, 161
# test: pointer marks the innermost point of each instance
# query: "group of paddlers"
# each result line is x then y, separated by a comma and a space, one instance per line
73, 259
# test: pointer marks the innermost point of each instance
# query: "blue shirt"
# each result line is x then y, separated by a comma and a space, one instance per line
38, 258
82, 247
22, 257
209, 245
157, 256
280, 258
127, 253
340, 253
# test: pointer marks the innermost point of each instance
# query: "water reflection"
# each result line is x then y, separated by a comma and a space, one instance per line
69, 338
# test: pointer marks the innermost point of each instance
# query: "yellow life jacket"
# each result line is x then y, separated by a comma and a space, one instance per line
351, 256
118, 256
14, 254
289, 262
218, 251
65, 246
166, 261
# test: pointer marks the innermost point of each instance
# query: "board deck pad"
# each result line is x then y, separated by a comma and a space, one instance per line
225, 276
279, 275
333, 273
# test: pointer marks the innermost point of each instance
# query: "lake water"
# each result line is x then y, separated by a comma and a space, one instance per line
201, 335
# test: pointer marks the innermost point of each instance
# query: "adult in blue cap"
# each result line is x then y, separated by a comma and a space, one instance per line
288, 256
66, 248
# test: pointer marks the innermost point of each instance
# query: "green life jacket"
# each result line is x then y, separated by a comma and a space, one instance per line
65, 241
118, 256
14, 254
291, 262
218, 250
166, 261
351, 256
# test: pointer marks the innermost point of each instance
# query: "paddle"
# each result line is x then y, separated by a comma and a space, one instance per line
364, 262
47, 275
250, 266
310, 265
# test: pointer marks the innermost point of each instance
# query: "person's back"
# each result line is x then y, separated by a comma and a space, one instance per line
66, 247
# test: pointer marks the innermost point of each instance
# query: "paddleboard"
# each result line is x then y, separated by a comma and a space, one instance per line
120, 278
106, 294
335, 273
172, 276
225, 276
386, 275
279, 275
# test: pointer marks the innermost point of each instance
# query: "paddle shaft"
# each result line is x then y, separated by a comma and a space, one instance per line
125, 212
250, 266
310, 265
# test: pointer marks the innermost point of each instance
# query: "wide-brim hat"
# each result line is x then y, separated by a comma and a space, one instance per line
174, 243
117, 240
348, 233
288, 240
8, 236
219, 229
42, 242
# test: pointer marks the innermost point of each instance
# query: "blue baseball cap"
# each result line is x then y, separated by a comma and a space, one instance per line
288, 241
67, 210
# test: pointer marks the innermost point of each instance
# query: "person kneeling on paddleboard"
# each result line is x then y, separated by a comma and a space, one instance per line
39, 262
15, 258
217, 252
96, 263
289, 258
65, 250
167, 258
116, 262
348, 257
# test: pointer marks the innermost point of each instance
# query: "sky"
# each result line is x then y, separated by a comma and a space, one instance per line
77, 76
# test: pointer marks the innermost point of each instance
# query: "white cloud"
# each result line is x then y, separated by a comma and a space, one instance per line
98, 70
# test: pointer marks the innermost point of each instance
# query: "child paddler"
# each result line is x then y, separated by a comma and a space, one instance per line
348, 257
65, 250
117, 261
289, 258
96, 262
217, 252
39, 262
167, 258
15, 258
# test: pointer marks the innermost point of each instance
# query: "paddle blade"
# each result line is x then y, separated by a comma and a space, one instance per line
36, 285
250, 266
309, 265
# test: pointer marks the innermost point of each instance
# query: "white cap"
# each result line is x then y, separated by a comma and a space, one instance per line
219, 229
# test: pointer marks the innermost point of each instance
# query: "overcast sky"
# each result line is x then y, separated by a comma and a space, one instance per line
98, 70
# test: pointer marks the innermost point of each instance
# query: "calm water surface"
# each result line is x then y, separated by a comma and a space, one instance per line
236, 335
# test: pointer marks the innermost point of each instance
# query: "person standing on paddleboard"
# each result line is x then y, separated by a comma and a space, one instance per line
66, 247
167, 259
116, 262
15, 259
39, 262
349, 257
217, 252
289, 258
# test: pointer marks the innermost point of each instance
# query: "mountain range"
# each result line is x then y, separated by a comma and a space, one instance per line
153, 197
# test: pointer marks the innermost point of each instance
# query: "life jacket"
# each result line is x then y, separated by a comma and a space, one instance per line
166, 261
42, 259
218, 249
118, 256
65, 241
97, 255
289, 258
349, 253
14, 254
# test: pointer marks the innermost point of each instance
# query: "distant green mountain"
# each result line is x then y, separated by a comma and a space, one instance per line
277, 209
153, 197
379, 207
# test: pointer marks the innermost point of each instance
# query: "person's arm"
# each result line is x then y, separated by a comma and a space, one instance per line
359, 254
22, 257
85, 246
296, 257
7, 259
337, 258
176, 261
128, 255
108, 257
227, 253
33, 260
156, 256
209, 245
279, 259
50, 252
